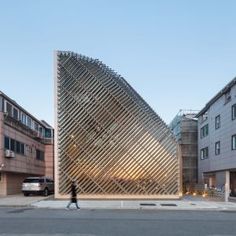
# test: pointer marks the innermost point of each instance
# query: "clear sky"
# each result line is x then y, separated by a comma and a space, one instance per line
177, 54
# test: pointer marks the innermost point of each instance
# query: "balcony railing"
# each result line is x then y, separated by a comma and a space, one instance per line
19, 126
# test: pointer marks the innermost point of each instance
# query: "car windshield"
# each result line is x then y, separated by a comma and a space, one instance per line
33, 181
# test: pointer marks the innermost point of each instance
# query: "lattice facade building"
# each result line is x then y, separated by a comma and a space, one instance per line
108, 139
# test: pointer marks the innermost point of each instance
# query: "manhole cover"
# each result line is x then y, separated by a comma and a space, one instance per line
147, 204
169, 204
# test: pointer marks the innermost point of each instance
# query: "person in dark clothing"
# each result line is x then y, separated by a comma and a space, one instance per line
73, 198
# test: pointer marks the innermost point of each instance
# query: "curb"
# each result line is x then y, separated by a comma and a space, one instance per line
141, 208
6, 205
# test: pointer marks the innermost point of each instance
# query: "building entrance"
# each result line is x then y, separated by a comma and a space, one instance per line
233, 184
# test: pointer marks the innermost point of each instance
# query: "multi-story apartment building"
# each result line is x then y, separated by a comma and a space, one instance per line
217, 140
26, 146
185, 128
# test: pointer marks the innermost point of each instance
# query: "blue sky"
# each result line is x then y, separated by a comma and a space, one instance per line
177, 54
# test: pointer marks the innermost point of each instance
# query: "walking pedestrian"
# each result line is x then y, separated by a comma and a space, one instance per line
73, 198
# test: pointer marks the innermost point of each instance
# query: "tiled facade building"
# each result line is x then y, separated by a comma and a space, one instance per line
107, 138
26, 146
217, 140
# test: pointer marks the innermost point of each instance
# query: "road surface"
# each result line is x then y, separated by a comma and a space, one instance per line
39, 222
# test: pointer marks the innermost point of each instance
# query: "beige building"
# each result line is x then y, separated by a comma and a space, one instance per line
107, 138
26, 146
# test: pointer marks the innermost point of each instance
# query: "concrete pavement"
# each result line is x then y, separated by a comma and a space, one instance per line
19, 200
187, 203
145, 204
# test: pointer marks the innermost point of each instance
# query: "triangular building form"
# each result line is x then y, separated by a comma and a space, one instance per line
107, 138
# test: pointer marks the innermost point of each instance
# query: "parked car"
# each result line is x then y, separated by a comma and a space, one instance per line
38, 185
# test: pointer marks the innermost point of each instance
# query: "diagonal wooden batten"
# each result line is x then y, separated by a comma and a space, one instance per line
108, 138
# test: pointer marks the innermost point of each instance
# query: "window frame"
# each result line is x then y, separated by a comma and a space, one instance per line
12, 144
29, 121
204, 153
13, 113
217, 150
36, 126
23, 118
6, 108
18, 146
233, 142
204, 131
233, 111
40, 155
217, 122
227, 96
6, 138
22, 149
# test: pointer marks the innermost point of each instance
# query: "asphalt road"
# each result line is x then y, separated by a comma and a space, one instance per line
38, 222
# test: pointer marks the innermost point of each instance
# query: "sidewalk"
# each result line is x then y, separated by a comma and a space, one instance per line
19, 200
187, 203
145, 204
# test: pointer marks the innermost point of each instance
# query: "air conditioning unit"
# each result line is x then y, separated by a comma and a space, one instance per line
39, 135
9, 153
12, 154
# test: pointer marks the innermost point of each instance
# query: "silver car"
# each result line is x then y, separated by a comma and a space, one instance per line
38, 185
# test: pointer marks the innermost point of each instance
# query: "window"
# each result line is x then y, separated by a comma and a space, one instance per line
12, 145
22, 149
233, 142
227, 97
23, 118
48, 180
217, 148
1, 104
217, 122
6, 142
15, 113
204, 117
36, 126
233, 109
48, 133
34, 180
30, 149
204, 153
17, 146
9, 109
204, 131
29, 121
39, 155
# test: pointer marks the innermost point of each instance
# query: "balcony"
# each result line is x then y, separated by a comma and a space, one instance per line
19, 126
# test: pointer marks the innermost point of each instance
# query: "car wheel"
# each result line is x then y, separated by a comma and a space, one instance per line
26, 194
45, 192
